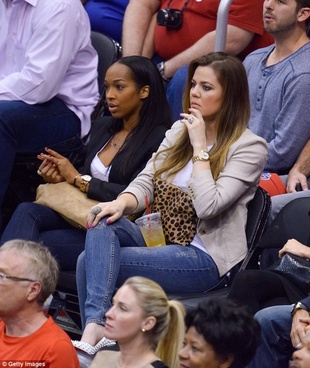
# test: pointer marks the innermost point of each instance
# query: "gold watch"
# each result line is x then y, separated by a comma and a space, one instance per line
85, 179
202, 156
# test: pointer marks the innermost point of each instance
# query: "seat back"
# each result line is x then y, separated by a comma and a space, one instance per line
258, 213
293, 221
108, 51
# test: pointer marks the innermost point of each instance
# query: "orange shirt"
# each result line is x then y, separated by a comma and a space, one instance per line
48, 347
199, 18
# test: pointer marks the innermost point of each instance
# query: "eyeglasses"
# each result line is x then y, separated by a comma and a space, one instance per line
4, 277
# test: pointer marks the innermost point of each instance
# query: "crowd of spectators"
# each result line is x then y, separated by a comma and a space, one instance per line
48, 91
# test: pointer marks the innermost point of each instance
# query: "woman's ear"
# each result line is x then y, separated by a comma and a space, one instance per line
149, 323
145, 91
228, 362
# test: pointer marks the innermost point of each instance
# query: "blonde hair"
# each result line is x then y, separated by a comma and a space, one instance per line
231, 120
166, 337
40, 264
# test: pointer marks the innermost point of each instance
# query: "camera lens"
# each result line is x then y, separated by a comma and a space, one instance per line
162, 17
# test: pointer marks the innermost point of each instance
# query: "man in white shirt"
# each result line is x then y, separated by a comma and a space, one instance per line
48, 77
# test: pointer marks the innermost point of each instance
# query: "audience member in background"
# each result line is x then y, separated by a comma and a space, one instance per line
134, 91
48, 77
106, 16
219, 334
261, 288
283, 329
147, 326
279, 78
28, 275
214, 162
173, 41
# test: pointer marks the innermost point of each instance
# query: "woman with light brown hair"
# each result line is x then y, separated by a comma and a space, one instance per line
212, 163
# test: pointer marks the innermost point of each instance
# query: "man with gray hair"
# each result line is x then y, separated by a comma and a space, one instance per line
28, 275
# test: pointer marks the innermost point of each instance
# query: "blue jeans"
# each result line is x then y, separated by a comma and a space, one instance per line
35, 222
117, 251
276, 348
29, 128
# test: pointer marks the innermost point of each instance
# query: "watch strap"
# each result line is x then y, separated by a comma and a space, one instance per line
297, 306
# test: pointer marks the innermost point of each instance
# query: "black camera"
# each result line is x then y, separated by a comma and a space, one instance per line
171, 18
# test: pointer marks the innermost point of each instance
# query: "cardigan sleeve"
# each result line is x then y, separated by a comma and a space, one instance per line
245, 162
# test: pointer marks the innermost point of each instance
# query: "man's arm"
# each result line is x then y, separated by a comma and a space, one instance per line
136, 23
237, 40
48, 56
300, 171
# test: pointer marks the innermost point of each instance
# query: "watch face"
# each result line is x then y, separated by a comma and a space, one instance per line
86, 177
204, 155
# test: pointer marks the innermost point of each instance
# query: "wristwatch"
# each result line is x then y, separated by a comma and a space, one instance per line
85, 179
202, 156
161, 68
298, 306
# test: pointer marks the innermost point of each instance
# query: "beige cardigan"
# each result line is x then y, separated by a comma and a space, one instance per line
221, 205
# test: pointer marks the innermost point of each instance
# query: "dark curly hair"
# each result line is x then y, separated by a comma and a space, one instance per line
229, 328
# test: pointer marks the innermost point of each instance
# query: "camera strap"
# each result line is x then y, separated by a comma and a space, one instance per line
184, 6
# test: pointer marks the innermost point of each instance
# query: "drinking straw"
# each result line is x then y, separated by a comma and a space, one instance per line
147, 207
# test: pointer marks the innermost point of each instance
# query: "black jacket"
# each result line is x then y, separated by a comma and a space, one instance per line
100, 134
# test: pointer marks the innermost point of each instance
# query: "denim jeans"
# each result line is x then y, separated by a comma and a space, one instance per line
117, 251
35, 222
276, 348
29, 128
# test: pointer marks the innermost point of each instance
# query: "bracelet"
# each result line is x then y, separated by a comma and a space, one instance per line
74, 181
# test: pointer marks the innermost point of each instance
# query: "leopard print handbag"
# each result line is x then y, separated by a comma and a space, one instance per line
178, 214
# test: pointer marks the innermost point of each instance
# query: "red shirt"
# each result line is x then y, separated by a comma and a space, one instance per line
48, 347
199, 18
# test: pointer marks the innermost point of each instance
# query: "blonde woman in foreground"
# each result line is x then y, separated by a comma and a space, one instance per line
147, 326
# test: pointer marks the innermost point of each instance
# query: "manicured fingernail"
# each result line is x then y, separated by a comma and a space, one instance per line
108, 221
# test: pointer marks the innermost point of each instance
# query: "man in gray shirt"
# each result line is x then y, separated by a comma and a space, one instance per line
279, 80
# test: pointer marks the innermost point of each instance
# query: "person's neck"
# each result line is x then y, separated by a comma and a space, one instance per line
135, 355
286, 45
24, 323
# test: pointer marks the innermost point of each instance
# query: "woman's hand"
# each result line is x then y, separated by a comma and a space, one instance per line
114, 208
295, 247
196, 128
56, 168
